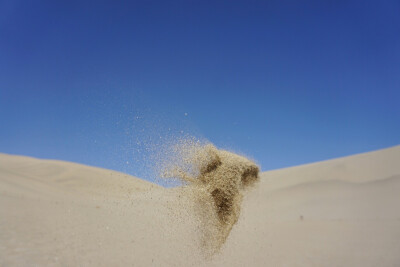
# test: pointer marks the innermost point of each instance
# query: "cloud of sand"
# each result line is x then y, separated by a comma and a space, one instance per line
216, 182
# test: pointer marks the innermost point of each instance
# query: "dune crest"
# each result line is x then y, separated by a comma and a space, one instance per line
340, 212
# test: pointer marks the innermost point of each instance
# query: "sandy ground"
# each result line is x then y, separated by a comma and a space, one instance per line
342, 212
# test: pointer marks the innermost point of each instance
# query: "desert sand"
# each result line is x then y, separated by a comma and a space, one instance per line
341, 212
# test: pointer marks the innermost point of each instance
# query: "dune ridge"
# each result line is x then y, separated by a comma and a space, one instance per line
340, 212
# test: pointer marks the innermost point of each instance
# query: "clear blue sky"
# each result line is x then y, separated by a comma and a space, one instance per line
285, 82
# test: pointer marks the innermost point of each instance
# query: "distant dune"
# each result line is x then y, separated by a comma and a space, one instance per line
341, 212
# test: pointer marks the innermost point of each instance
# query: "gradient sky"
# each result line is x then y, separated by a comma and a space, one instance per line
284, 82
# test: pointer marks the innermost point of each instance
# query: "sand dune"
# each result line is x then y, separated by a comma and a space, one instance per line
341, 212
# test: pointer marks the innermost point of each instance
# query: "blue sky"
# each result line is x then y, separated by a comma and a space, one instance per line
284, 82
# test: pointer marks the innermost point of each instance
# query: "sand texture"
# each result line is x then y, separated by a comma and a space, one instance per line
341, 212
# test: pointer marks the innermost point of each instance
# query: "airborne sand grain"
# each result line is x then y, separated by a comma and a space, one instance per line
217, 181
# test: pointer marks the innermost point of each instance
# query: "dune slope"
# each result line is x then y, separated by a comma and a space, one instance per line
341, 212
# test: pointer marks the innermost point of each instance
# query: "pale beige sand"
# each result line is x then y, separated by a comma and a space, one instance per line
342, 212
